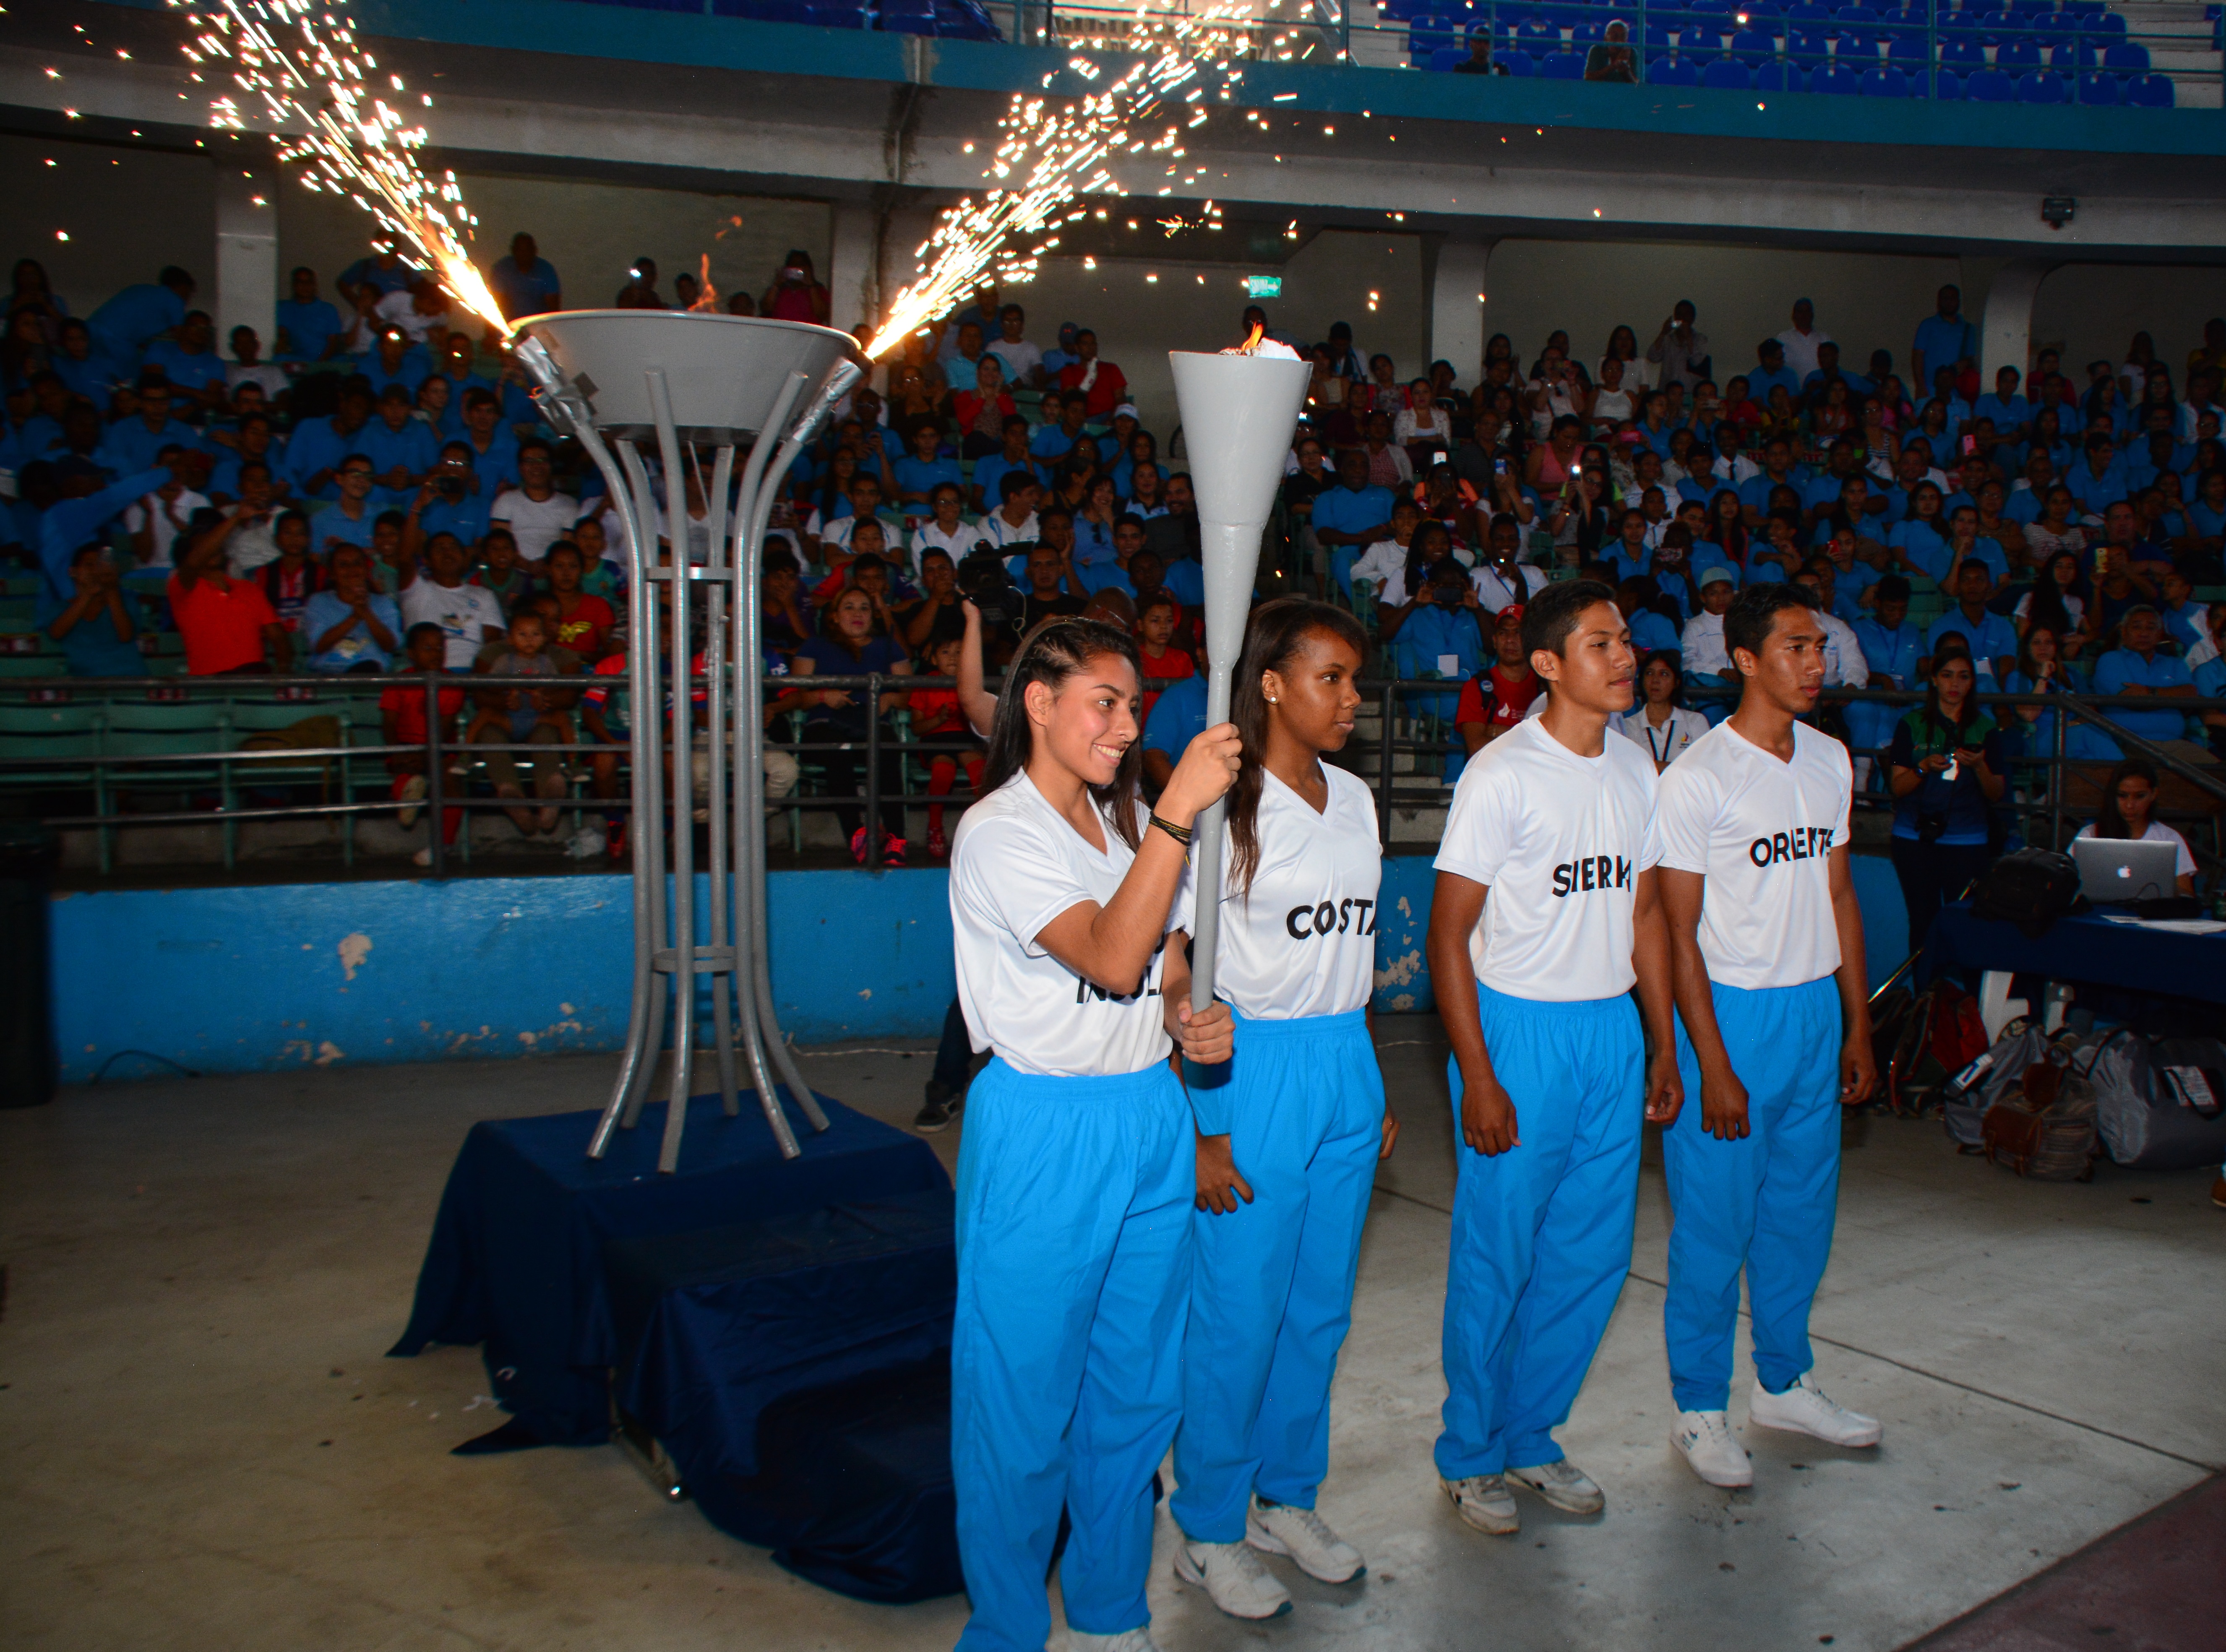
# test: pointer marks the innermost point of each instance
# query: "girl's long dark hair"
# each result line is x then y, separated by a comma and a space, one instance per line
2047, 611
1932, 711
1273, 638
1053, 652
2108, 823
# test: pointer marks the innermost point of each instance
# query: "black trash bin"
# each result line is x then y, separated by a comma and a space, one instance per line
29, 1065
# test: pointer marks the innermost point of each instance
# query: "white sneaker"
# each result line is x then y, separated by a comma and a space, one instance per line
1804, 1409
1317, 1551
1563, 1484
1128, 1640
1705, 1438
412, 790
1235, 1580
1484, 1502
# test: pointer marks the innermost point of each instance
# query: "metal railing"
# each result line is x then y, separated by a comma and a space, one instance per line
1402, 758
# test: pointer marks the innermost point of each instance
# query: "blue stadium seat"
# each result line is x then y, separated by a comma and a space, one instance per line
1586, 34
2105, 26
2018, 55
1516, 62
2096, 87
1426, 35
1947, 87
767, 11
1989, 86
1673, 70
1884, 82
2127, 57
965, 20
1753, 48
1996, 25
1808, 50
1442, 59
1659, 40
2028, 9
1837, 81
1909, 22
1808, 17
1402, 11
1728, 74
1537, 31
1562, 65
2042, 86
2148, 91
1962, 54
1780, 77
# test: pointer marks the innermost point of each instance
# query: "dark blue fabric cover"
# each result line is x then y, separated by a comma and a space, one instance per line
2081, 949
516, 1260
717, 1325
854, 1494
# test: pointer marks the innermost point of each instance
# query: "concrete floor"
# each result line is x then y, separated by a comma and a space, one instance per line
204, 1448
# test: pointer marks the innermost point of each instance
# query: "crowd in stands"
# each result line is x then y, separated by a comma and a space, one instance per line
385, 471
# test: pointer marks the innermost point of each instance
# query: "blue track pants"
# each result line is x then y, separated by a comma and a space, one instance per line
1073, 1229
1271, 1284
1764, 1203
1542, 1232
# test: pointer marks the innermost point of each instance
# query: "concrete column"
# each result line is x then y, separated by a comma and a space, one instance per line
2005, 332
246, 283
854, 275
1456, 330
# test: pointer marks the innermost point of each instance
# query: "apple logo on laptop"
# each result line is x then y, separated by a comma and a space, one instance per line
2125, 872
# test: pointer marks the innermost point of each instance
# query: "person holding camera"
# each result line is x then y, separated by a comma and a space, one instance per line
1946, 770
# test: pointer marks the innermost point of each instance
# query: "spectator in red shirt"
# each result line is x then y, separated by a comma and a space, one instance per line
583, 623
229, 627
1101, 383
936, 716
1157, 613
402, 723
1511, 684
982, 410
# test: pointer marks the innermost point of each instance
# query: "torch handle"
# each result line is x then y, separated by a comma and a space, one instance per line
1205, 865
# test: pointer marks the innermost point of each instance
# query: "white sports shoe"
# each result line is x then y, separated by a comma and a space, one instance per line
1705, 1438
1804, 1409
412, 790
1317, 1551
1235, 1580
1484, 1502
1563, 1484
1128, 1640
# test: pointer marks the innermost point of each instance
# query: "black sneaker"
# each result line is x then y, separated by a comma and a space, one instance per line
941, 1107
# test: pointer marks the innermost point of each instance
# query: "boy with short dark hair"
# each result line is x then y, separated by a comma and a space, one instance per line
403, 722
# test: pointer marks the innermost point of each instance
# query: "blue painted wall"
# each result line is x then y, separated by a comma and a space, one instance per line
243, 980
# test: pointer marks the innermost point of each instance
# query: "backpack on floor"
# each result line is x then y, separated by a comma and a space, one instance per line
1969, 1093
2161, 1104
2044, 1128
1919, 1039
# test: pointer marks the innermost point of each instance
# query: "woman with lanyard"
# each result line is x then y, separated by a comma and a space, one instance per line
1945, 768
1661, 720
1290, 1131
1069, 905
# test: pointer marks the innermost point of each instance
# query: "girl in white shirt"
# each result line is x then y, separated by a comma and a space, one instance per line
1289, 1134
2127, 803
1658, 722
1069, 909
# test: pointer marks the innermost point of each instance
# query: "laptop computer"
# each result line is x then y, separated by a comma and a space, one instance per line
2113, 869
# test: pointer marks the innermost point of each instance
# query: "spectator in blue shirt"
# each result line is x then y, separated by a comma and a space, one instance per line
2097, 477
1828, 372
1777, 471
446, 503
82, 511
1891, 645
310, 329
384, 271
1651, 630
1061, 355
2140, 666
925, 469
254, 441
132, 443
1771, 371
395, 361
1944, 338
135, 317
1437, 635
317, 446
493, 448
402, 448
2010, 411
192, 365
524, 283
2184, 620
1351, 517
348, 628
85, 366
95, 628
989, 474
1991, 638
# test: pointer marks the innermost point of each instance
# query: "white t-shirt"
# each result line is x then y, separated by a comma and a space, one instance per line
401, 310
1016, 864
1801, 352
1663, 745
1493, 590
930, 536
1300, 943
1382, 562
1702, 646
1020, 356
1844, 664
273, 379
462, 614
166, 530
999, 532
1613, 406
535, 526
2159, 833
1561, 840
1760, 830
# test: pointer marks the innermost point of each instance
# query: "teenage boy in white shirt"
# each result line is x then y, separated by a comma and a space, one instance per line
1774, 1036
1545, 914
